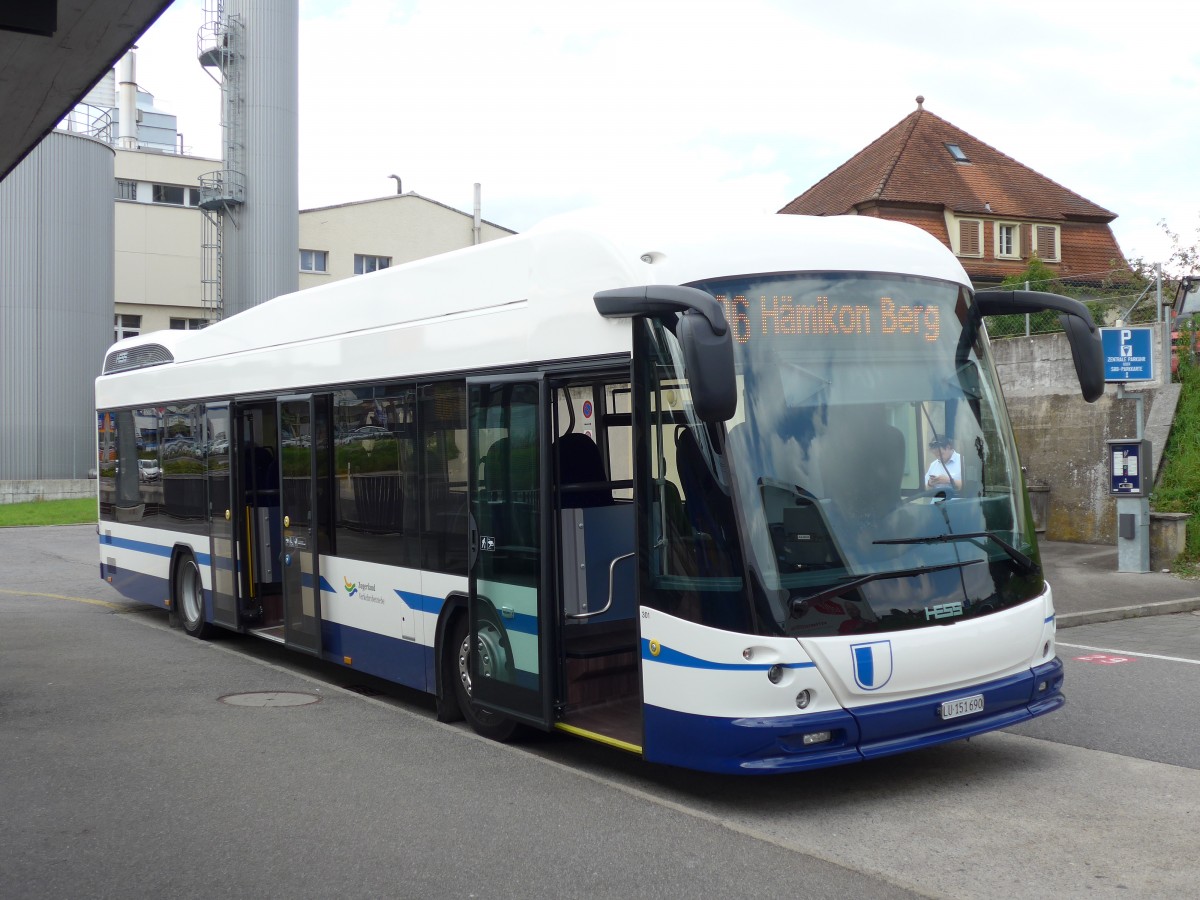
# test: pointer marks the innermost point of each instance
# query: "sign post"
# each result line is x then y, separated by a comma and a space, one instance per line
1130, 480
1129, 356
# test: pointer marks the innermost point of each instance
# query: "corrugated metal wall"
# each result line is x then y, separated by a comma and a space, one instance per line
56, 305
261, 251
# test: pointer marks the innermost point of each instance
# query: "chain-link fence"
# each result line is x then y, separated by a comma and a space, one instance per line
1104, 313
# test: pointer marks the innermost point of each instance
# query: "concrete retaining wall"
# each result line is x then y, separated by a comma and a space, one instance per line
46, 489
1062, 439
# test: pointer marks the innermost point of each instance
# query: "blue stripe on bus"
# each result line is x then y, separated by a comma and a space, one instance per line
164, 550
1049, 619
403, 662
676, 658
306, 580
422, 603
520, 623
149, 589
768, 744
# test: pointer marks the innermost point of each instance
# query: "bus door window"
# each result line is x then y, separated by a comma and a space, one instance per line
442, 424
592, 445
259, 451
688, 517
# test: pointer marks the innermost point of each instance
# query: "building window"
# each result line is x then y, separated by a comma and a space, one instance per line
1008, 240
365, 264
1045, 242
168, 193
969, 237
318, 261
957, 152
126, 190
126, 326
188, 324
193, 196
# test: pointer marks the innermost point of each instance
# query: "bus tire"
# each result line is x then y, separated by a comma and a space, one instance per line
484, 722
187, 596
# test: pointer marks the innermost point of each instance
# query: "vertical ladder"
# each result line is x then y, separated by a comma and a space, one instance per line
220, 52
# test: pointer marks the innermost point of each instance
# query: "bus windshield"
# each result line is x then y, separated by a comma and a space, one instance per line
868, 481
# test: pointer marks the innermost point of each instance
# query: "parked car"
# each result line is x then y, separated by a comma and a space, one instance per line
148, 470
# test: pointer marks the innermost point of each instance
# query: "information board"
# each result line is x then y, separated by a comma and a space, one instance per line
1128, 354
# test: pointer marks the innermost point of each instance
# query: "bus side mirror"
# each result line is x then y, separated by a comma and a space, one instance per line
1087, 350
708, 357
703, 333
1082, 333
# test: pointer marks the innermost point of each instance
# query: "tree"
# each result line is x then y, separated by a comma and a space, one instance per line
1039, 276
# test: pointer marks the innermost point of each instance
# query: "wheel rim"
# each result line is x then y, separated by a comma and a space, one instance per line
464, 663
190, 592
489, 654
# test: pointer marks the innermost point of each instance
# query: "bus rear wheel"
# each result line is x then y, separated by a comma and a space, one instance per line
187, 597
484, 722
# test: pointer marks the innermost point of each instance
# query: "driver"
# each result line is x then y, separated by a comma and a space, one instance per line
946, 468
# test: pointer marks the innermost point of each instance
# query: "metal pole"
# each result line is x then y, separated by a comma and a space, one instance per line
1165, 321
1027, 314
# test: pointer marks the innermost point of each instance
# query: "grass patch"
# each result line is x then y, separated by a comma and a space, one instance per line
49, 512
1178, 488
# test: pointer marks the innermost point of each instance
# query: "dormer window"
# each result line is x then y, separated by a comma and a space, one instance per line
957, 152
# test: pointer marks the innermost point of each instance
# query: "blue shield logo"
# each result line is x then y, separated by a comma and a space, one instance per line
872, 664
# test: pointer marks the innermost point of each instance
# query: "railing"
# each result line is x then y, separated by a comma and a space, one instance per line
92, 121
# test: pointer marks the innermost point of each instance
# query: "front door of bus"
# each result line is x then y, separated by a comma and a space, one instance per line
508, 604
301, 432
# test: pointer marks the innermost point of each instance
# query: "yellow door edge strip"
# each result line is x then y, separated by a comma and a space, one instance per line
593, 736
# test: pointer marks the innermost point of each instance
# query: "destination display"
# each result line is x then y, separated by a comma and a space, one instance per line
780, 315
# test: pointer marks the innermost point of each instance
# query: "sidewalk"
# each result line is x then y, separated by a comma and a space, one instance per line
1088, 588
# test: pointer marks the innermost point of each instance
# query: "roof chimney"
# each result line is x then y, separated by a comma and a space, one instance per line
127, 102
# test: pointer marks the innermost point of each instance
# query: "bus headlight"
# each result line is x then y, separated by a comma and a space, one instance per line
803, 699
775, 674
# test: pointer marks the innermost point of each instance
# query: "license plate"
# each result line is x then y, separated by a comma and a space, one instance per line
964, 706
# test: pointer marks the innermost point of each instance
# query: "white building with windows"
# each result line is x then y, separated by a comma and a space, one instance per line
366, 235
159, 227
158, 234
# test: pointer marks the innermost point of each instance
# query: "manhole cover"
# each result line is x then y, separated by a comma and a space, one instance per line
270, 698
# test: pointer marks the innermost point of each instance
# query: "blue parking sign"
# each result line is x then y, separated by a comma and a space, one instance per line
1128, 354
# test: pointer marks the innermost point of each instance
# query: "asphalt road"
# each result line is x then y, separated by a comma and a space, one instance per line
122, 773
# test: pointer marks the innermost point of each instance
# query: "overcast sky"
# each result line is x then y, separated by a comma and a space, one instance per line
555, 105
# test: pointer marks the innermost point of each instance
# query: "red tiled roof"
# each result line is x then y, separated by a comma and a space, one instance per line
909, 164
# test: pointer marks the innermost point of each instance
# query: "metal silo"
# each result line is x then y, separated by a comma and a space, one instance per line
56, 305
251, 238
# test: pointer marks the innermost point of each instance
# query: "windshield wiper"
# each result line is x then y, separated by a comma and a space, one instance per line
1021, 559
839, 589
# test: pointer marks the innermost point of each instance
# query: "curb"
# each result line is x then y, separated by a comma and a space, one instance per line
1070, 620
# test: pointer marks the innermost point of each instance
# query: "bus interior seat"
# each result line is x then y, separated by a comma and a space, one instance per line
581, 472
698, 483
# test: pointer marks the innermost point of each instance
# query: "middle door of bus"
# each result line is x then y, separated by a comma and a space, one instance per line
509, 611
303, 431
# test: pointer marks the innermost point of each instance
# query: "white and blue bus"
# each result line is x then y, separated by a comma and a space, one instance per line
660, 485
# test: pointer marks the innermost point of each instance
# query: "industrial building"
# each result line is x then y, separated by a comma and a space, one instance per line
191, 239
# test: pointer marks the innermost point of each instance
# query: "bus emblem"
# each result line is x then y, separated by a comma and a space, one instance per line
351, 587
872, 664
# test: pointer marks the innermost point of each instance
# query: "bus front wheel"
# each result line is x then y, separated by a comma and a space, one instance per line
187, 597
489, 724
